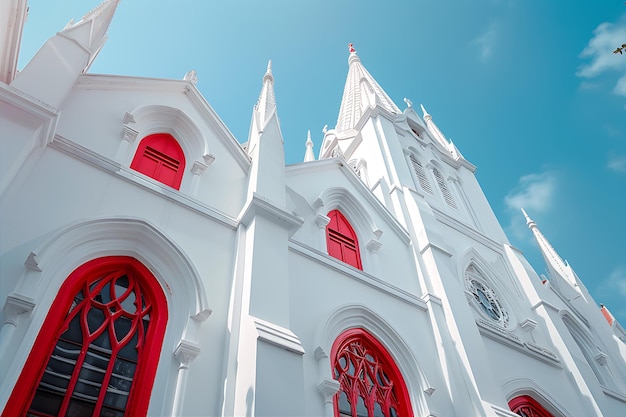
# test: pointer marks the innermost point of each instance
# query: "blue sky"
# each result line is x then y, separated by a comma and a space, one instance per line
528, 90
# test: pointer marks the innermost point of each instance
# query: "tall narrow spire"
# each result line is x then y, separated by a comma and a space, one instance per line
52, 72
360, 92
555, 263
434, 130
308, 154
267, 100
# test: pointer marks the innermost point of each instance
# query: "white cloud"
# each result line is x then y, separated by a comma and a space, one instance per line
620, 87
486, 41
606, 37
617, 163
533, 192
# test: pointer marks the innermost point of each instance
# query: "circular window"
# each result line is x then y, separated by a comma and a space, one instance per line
485, 297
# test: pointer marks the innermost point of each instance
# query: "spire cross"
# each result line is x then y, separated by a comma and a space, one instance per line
351, 48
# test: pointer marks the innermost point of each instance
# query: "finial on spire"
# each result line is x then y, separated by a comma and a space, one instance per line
309, 155
408, 102
268, 72
530, 222
425, 113
351, 48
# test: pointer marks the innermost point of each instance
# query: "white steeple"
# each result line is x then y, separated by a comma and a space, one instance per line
52, 72
265, 145
360, 92
557, 267
308, 154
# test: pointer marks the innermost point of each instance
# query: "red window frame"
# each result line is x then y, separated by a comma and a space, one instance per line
93, 289
341, 240
159, 156
527, 406
369, 380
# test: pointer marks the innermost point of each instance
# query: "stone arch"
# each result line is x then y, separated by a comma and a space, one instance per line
152, 118
360, 316
592, 353
524, 386
53, 261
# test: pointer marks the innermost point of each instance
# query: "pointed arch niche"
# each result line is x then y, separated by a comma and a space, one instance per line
593, 355
364, 230
98, 349
48, 266
150, 121
525, 396
359, 323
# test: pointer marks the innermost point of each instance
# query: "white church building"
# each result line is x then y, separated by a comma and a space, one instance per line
151, 265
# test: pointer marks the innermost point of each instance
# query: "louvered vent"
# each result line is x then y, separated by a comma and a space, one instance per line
420, 172
443, 186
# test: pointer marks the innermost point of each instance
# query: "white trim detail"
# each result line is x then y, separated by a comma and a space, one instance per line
277, 335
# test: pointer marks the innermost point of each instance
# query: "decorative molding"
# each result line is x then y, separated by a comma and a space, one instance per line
128, 133
198, 168
528, 324
128, 118
186, 352
321, 221
327, 389
202, 315
432, 298
494, 328
277, 335
31, 262
260, 206
541, 350
429, 391
502, 412
601, 358
617, 395
373, 246
20, 303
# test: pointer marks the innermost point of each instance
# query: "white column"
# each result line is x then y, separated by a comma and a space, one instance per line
16, 306
185, 352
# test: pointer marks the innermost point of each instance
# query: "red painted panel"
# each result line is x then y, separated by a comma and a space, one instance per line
341, 240
105, 328
159, 156
527, 406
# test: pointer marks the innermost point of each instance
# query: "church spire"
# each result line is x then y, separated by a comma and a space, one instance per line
267, 100
308, 154
556, 265
265, 146
360, 92
52, 72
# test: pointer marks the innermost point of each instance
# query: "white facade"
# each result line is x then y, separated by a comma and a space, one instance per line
254, 300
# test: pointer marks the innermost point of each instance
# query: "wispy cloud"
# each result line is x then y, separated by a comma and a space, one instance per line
617, 163
533, 192
486, 41
599, 53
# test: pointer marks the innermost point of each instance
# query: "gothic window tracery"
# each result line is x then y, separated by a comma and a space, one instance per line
341, 240
370, 382
97, 351
485, 297
526, 406
159, 156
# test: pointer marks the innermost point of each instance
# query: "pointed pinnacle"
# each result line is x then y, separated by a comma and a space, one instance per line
268, 73
530, 222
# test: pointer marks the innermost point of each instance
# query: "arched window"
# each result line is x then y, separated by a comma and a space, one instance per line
370, 383
341, 240
159, 156
526, 406
420, 173
98, 348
